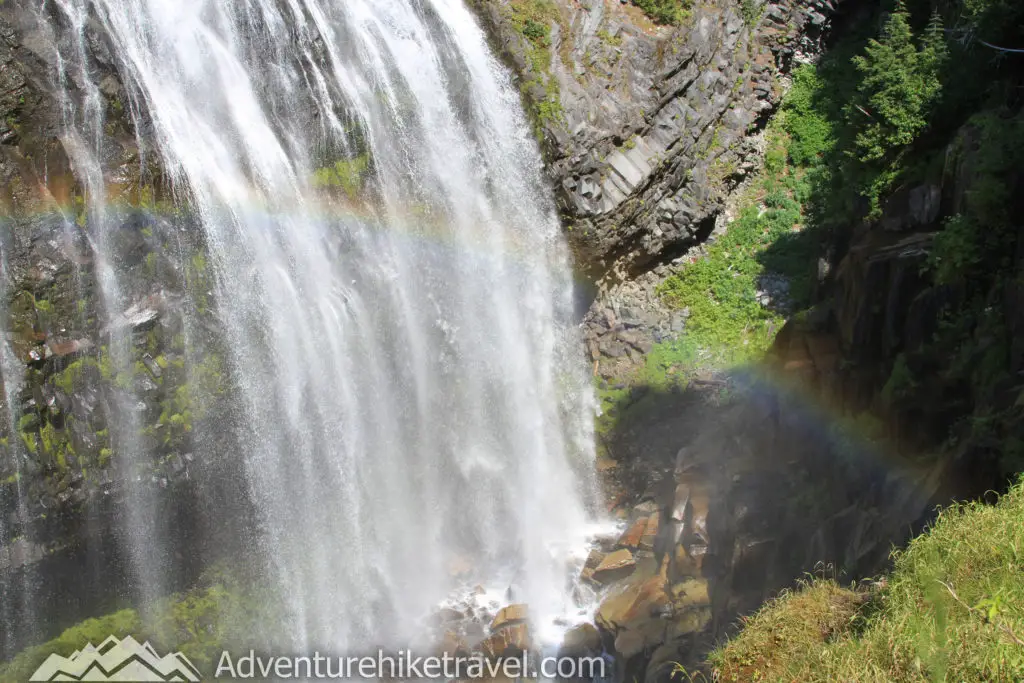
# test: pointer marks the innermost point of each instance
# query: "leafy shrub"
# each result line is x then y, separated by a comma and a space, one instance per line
536, 31
663, 11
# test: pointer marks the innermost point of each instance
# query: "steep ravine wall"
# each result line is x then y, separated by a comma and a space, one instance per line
64, 479
733, 489
647, 128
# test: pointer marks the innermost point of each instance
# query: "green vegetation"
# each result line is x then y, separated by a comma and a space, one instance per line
952, 609
727, 324
896, 95
751, 11
533, 18
665, 11
200, 623
608, 38
894, 106
349, 175
196, 392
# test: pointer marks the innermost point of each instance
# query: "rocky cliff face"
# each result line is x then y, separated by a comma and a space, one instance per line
937, 360
648, 128
730, 491
70, 429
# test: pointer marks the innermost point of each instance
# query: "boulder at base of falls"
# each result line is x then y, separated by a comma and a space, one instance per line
616, 566
509, 640
510, 634
581, 641
512, 614
644, 613
632, 536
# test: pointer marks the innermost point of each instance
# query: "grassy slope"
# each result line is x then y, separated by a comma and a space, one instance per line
952, 609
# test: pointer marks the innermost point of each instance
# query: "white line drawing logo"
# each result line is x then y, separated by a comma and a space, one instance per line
118, 660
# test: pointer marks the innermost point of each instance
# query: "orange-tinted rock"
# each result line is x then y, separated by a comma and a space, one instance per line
513, 638
594, 559
615, 566
67, 348
650, 533
636, 600
631, 538
632, 612
511, 614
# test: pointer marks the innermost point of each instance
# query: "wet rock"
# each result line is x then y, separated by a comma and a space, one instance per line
581, 640
614, 567
152, 366
453, 644
512, 614
511, 639
142, 315
650, 533
449, 614
632, 614
594, 559
632, 536
68, 347
645, 509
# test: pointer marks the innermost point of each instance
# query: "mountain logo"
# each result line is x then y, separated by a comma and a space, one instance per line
117, 660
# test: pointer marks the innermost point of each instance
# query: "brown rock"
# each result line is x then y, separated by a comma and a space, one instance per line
634, 614
689, 561
67, 348
614, 567
512, 638
581, 640
691, 593
452, 644
650, 533
511, 614
631, 538
587, 575
633, 602
594, 559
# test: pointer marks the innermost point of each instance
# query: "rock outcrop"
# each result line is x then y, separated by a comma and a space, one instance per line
94, 414
753, 484
647, 129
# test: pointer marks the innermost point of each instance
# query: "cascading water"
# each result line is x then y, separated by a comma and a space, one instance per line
391, 288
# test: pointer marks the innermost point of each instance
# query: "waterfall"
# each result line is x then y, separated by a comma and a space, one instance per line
392, 292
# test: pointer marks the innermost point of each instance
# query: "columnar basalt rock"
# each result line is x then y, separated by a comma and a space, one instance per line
652, 127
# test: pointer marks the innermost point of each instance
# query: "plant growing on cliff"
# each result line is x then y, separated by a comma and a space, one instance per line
664, 11
750, 10
346, 174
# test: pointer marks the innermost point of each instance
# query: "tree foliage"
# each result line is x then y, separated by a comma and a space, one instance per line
899, 86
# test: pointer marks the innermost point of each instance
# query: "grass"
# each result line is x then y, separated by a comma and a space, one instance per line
951, 610
727, 324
